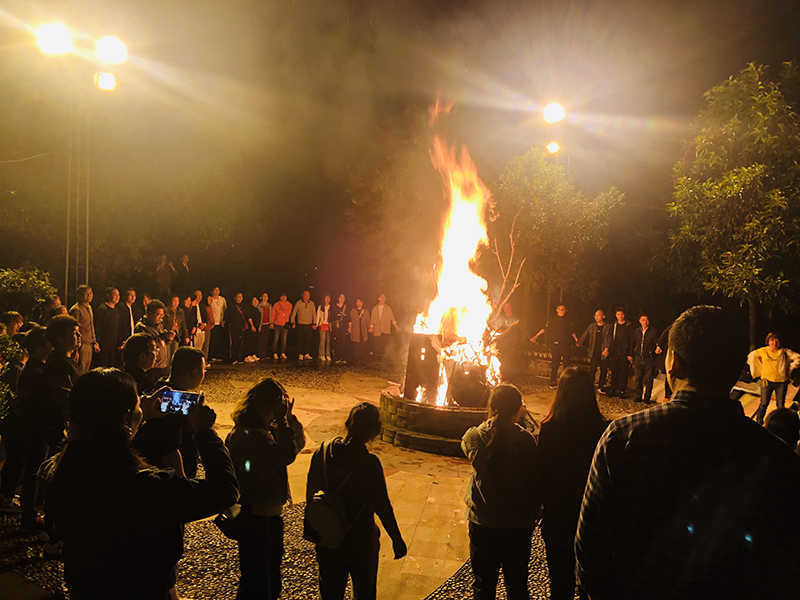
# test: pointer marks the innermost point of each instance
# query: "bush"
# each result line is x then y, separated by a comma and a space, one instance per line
24, 288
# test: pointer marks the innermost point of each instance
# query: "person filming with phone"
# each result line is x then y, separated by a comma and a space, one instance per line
121, 519
266, 437
167, 439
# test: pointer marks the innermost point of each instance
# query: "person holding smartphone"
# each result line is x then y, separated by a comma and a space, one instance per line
121, 519
266, 437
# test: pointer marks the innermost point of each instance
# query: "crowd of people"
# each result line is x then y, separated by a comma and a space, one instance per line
677, 501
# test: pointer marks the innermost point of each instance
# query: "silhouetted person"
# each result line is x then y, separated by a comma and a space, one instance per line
266, 437
661, 360
683, 499
106, 327
358, 330
784, 423
562, 339
121, 520
165, 272
139, 355
567, 440
127, 316
621, 354
347, 465
597, 338
61, 371
238, 319
503, 498
645, 339
82, 312
340, 319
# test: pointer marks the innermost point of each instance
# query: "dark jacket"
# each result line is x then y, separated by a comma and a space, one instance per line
622, 339
663, 342
60, 374
565, 452
645, 348
106, 326
127, 321
504, 491
364, 494
591, 335
260, 457
339, 318
133, 539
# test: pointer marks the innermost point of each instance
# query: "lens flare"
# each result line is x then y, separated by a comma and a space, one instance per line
54, 38
105, 81
554, 112
111, 50
553, 147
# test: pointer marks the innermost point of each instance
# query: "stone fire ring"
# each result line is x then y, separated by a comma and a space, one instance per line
417, 426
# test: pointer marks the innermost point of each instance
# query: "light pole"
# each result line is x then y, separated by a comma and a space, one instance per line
56, 39
554, 113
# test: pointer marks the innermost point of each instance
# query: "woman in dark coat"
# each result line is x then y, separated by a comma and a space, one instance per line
567, 439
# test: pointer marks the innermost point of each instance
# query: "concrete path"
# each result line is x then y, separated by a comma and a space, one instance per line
427, 490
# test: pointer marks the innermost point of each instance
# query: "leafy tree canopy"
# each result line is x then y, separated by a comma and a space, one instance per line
736, 203
22, 289
556, 225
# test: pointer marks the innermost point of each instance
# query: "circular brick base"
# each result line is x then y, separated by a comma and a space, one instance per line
435, 429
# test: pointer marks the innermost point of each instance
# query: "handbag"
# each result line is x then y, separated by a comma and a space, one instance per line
325, 521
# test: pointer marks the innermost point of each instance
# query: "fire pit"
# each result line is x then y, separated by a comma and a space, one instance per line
453, 357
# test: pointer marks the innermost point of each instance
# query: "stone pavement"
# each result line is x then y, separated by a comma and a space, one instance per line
427, 490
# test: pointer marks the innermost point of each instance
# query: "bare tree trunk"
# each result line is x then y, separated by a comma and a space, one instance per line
752, 306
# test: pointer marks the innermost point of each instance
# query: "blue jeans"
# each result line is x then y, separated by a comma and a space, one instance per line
766, 394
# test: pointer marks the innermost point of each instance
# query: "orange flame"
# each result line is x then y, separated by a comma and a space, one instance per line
461, 308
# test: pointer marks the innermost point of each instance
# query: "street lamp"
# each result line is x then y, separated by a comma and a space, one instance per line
54, 38
553, 147
111, 50
105, 81
554, 112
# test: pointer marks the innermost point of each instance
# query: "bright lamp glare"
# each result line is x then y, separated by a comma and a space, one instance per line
54, 39
553, 147
111, 50
554, 112
105, 81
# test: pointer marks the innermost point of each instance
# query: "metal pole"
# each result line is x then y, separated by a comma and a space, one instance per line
78, 173
69, 193
86, 254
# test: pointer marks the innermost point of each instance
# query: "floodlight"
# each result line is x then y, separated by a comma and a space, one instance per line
554, 112
54, 38
105, 81
111, 50
553, 147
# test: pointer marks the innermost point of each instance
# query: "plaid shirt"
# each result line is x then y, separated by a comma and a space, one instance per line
690, 499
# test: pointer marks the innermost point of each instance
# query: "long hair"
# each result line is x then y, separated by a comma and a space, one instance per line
363, 423
575, 401
504, 403
264, 395
98, 454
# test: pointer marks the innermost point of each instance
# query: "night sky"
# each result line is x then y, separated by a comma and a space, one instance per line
238, 127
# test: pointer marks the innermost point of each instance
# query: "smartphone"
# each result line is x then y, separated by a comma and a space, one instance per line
176, 401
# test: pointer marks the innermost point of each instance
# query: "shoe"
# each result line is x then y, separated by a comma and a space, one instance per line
553, 386
300, 357
603, 391
275, 357
283, 356
308, 357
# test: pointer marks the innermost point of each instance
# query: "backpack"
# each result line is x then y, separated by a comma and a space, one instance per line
325, 522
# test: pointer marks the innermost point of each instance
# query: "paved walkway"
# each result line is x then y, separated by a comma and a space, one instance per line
427, 490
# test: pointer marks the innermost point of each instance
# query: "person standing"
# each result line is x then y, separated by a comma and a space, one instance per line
323, 322
684, 499
264, 328
60, 374
303, 317
562, 338
346, 465
598, 335
358, 329
183, 283
774, 365
219, 342
106, 326
201, 336
661, 361
127, 318
238, 323
266, 438
281, 313
251, 336
503, 497
339, 323
139, 356
380, 325
645, 339
152, 324
189, 318
621, 354
174, 320
165, 272
82, 312
567, 439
